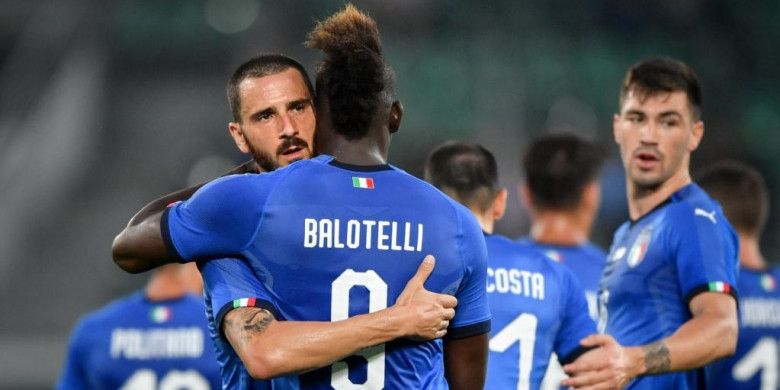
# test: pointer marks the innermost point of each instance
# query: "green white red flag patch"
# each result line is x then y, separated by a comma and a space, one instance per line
363, 182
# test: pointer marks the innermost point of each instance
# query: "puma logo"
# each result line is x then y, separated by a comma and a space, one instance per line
701, 213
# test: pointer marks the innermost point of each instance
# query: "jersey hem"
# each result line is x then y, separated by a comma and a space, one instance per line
253, 302
702, 288
165, 231
468, 330
360, 168
574, 355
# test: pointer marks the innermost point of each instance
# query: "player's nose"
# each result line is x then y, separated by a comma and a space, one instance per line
288, 127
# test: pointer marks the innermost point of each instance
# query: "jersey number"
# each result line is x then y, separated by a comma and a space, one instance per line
763, 357
339, 310
522, 330
174, 380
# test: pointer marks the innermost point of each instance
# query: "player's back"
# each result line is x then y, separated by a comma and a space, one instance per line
755, 363
332, 241
136, 343
586, 261
538, 308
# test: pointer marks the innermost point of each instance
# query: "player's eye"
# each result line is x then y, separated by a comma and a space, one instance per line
300, 106
634, 118
264, 116
670, 122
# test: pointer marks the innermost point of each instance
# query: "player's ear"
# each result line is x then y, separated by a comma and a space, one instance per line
591, 195
698, 133
238, 137
525, 197
396, 114
615, 125
499, 204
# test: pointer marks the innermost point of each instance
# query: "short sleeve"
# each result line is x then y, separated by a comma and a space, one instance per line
74, 372
219, 220
576, 323
233, 283
705, 250
472, 316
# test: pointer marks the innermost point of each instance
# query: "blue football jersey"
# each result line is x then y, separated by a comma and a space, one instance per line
755, 364
326, 241
586, 261
135, 343
657, 265
538, 308
225, 281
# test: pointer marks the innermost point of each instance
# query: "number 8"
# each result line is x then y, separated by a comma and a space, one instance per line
339, 306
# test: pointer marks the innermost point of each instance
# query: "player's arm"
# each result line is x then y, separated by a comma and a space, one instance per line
465, 362
270, 348
711, 334
466, 345
140, 246
74, 372
576, 323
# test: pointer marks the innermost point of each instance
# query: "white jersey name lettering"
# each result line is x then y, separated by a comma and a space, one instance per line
156, 343
363, 234
515, 281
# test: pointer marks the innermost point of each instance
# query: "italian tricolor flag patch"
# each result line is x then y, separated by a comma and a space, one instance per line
363, 182
243, 302
719, 287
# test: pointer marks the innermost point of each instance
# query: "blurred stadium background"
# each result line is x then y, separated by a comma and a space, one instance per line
105, 105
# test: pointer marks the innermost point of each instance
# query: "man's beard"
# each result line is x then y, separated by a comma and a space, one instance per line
267, 162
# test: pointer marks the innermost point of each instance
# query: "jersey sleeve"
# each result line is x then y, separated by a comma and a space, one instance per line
233, 283
74, 371
472, 315
576, 323
704, 247
219, 220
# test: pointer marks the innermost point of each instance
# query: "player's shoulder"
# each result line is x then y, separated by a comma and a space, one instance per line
529, 252
774, 270
431, 193
593, 252
691, 203
193, 300
435, 199
110, 312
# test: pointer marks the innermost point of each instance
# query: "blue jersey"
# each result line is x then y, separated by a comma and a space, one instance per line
657, 265
136, 343
586, 261
755, 363
223, 281
538, 308
326, 241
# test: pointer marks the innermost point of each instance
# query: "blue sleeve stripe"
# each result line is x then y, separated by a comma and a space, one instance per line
257, 302
573, 355
166, 235
468, 330
706, 287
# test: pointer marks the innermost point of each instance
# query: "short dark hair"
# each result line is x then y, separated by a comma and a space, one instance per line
663, 75
741, 191
353, 78
557, 169
467, 172
260, 66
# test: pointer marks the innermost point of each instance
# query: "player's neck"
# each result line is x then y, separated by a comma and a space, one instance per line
370, 149
642, 200
560, 228
357, 154
486, 222
750, 256
164, 286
